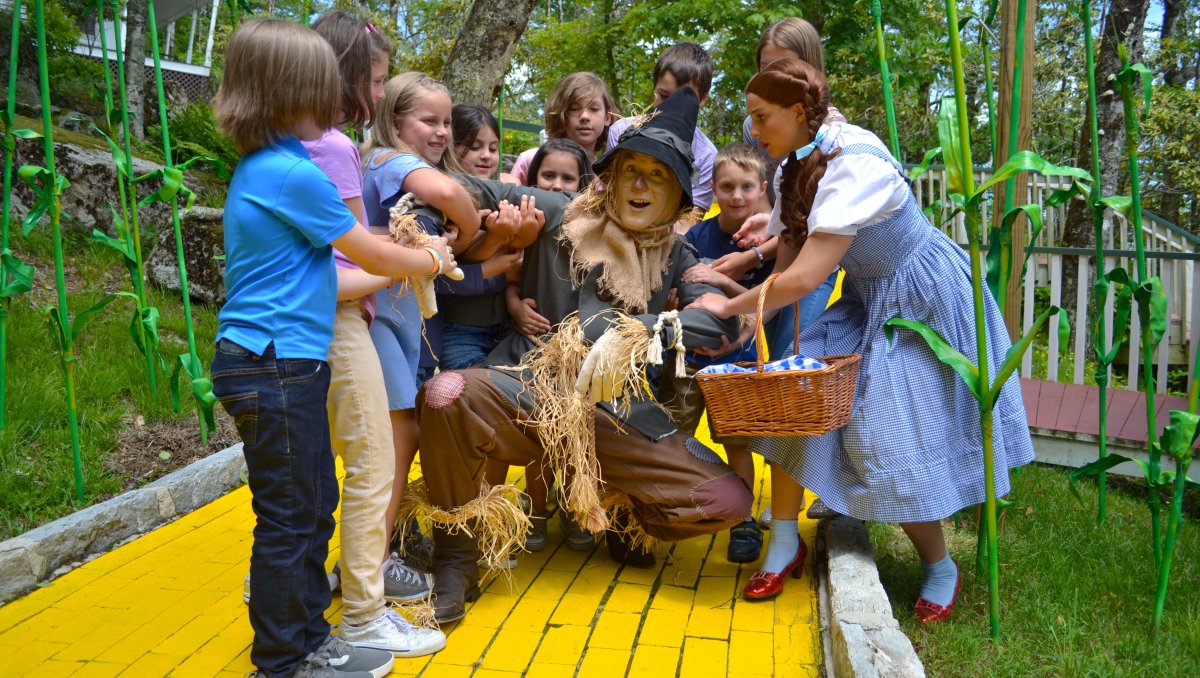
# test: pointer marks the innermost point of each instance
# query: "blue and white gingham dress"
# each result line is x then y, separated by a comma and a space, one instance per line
913, 448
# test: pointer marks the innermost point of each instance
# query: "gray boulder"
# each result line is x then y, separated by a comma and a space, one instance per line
86, 203
203, 233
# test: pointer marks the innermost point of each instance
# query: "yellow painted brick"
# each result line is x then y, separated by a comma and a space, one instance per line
643, 576
241, 663
491, 609
149, 636
98, 640
796, 644
717, 565
465, 645
152, 664
615, 630
603, 663
411, 666
703, 657
796, 605
673, 598
100, 669
562, 645
192, 636
490, 673
595, 578
448, 671
54, 667
752, 652
664, 628
627, 598
540, 670
60, 625
531, 614
21, 660
512, 650
550, 584
715, 592
567, 560
753, 616
576, 608
708, 622
652, 660
226, 646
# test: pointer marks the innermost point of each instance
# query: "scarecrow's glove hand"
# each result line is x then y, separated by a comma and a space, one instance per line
600, 376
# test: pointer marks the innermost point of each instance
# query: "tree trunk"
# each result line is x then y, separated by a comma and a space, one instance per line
1123, 23
1174, 71
1008, 47
135, 60
475, 68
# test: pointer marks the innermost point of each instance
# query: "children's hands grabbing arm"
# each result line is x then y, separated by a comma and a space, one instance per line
523, 312
448, 197
532, 221
391, 260
499, 228
709, 275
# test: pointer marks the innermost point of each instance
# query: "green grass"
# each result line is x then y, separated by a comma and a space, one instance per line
36, 474
1076, 599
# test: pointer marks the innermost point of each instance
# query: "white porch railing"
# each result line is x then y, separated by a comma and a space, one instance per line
1171, 253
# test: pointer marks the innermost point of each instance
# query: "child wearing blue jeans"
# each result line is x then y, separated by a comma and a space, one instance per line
739, 183
283, 216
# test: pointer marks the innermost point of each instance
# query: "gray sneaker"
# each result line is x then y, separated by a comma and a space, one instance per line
391, 632
402, 583
577, 538
336, 658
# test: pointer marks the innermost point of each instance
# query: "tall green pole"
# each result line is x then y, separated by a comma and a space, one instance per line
52, 188
170, 165
886, 77
974, 223
10, 146
1097, 209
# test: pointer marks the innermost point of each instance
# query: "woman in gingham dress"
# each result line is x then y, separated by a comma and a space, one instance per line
912, 452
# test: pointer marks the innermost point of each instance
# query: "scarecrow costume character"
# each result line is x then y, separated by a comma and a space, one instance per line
601, 271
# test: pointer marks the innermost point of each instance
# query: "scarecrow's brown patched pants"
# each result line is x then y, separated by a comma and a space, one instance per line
677, 486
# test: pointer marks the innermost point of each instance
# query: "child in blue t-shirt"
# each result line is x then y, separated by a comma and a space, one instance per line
283, 216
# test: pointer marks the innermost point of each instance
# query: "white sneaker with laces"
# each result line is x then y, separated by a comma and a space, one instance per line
393, 633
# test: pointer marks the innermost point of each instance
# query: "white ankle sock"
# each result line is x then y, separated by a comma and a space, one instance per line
939, 580
781, 549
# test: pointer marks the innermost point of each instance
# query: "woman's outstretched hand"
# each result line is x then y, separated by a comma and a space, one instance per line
715, 304
753, 231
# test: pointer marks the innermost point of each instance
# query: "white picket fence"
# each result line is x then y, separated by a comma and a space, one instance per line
1171, 253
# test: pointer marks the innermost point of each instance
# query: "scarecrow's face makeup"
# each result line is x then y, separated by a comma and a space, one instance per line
481, 157
647, 193
427, 128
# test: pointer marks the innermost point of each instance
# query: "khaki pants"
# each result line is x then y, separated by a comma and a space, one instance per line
677, 486
362, 435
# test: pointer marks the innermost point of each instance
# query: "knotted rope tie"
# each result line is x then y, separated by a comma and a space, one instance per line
654, 352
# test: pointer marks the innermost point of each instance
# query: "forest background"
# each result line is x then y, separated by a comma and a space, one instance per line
510, 53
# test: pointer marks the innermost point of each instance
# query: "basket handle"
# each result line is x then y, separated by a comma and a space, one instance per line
760, 339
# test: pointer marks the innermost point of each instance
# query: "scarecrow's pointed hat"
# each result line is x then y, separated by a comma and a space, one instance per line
666, 136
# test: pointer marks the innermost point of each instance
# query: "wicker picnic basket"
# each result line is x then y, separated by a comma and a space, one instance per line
785, 403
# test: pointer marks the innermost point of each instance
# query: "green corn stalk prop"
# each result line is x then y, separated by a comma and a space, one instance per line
171, 190
954, 135
985, 32
144, 327
48, 185
886, 78
1014, 118
16, 277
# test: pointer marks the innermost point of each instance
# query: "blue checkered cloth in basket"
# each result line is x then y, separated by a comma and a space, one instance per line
796, 362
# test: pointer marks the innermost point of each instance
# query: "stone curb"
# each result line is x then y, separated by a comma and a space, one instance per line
47, 551
861, 637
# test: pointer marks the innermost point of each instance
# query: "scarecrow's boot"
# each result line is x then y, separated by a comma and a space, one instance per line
455, 575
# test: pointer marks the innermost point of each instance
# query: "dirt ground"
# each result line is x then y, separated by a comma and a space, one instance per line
148, 452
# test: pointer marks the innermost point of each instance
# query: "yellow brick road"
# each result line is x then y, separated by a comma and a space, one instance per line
170, 603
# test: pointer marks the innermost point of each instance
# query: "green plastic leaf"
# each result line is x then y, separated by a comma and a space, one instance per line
1122, 305
1000, 242
1122, 204
1095, 468
1128, 75
118, 154
26, 134
56, 329
1179, 436
83, 318
926, 161
114, 243
1152, 308
1064, 329
1013, 358
942, 349
17, 278
201, 387
957, 175
1028, 161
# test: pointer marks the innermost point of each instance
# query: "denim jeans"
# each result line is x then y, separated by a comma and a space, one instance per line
278, 406
466, 345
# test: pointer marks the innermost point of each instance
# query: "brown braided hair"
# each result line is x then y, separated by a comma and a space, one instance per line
787, 82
